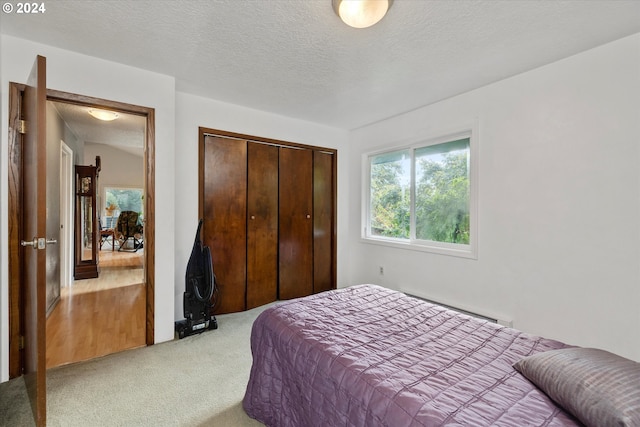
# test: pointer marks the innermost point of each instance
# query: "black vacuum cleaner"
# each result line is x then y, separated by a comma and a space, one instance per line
200, 291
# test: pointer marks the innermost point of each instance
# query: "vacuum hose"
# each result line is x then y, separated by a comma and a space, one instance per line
208, 290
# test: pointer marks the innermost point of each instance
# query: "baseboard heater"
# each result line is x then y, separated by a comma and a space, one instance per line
502, 322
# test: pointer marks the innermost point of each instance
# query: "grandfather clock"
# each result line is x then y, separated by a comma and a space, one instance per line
87, 233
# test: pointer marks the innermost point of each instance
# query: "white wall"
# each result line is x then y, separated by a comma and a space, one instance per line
81, 74
119, 168
192, 112
559, 201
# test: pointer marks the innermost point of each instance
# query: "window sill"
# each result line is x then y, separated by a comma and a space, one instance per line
460, 251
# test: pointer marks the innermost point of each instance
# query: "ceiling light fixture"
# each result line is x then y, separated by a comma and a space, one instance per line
105, 115
361, 13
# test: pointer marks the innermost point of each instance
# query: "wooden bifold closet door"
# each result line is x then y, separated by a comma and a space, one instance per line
225, 217
269, 218
296, 223
262, 224
323, 222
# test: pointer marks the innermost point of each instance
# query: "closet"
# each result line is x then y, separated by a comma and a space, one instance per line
269, 218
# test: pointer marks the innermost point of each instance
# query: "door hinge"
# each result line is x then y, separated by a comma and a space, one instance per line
22, 127
21, 343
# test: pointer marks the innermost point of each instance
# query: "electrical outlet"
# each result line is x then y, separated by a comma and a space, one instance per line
381, 270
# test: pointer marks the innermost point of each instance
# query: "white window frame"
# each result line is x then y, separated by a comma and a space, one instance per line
444, 248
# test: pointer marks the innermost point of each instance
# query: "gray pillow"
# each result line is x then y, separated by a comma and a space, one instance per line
597, 387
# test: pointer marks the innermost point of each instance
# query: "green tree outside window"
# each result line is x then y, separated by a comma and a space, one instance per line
441, 199
125, 199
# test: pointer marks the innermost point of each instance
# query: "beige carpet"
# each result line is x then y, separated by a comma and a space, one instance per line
197, 381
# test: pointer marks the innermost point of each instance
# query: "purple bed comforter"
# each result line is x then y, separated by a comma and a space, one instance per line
370, 356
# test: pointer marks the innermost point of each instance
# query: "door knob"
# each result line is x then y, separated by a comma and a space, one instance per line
33, 243
38, 242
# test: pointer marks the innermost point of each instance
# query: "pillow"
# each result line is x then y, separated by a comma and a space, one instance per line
597, 387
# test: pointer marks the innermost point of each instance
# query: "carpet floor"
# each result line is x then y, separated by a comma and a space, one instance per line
196, 381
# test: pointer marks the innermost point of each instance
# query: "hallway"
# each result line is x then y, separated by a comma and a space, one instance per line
96, 317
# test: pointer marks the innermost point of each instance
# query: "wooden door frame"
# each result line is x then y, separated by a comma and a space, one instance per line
16, 319
16, 298
66, 214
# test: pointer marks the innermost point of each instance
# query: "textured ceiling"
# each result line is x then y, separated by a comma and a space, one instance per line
297, 59
125, 133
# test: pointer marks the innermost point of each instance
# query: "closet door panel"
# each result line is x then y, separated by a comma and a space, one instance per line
262, 224
295, 223
225, 218
323, 225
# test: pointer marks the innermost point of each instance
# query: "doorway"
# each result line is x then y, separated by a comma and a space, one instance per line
116, 320
66, 215
15, 181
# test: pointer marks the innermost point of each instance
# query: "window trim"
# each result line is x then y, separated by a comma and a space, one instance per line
443, 248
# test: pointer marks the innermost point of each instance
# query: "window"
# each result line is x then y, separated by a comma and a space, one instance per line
423, 197
390, 194
123, 199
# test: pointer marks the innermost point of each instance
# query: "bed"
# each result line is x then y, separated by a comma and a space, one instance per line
370, 356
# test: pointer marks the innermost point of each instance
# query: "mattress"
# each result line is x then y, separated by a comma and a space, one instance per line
370, 356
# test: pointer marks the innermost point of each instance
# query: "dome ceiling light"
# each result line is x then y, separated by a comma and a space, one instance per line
104, 115
361, 13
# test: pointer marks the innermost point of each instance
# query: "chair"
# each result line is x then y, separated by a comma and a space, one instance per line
107, 234
127, 227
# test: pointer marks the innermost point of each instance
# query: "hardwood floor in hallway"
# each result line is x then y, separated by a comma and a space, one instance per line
96, 317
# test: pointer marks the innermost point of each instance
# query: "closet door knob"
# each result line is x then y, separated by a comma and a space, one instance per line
253, 217
308, 216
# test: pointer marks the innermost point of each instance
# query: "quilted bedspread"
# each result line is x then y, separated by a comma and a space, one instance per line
369, 356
